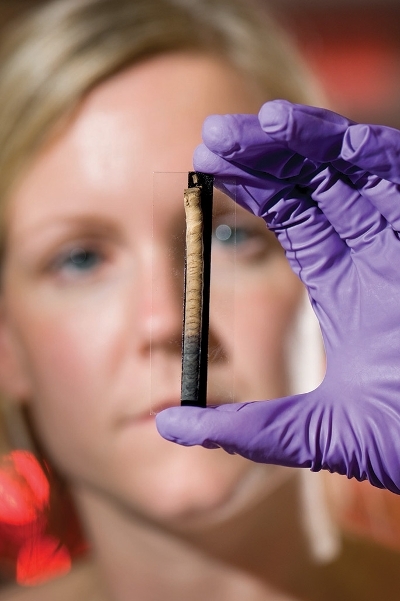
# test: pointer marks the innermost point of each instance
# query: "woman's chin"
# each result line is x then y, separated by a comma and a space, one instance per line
187, 487
209, 496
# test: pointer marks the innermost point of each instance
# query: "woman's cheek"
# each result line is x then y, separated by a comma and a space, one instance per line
266, 304
66, 351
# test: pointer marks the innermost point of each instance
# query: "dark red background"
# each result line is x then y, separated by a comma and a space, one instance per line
354, 48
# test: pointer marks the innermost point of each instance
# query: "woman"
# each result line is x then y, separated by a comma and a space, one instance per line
97, 96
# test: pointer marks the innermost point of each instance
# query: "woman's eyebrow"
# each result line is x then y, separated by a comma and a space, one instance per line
81, 225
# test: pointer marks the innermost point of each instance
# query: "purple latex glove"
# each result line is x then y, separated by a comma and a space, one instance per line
329, 190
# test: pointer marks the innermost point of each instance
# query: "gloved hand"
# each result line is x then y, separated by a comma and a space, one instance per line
329, 190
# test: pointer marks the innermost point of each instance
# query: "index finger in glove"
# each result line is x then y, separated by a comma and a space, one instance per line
249, 188
241, 140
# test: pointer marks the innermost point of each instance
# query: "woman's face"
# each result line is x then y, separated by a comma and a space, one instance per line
80, 303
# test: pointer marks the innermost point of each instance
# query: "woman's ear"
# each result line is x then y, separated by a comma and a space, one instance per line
14, 381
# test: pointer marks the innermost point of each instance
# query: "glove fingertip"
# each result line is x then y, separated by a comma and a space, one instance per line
274, 115
219, 134
206, 161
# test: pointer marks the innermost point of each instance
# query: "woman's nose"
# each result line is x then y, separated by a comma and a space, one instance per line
162, 306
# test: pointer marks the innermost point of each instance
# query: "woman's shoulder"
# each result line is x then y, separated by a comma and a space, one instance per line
80, 583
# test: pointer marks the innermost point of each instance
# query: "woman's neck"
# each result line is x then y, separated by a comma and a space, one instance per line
227, 561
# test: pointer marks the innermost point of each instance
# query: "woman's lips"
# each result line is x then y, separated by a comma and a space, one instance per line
154, 407
149, 412
211, 402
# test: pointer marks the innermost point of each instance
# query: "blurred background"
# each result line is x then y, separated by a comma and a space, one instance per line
352, 45
354, 48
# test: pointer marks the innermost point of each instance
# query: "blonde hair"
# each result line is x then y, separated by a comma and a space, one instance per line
59, 52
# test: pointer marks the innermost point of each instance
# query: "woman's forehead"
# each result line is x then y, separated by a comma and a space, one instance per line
127, 128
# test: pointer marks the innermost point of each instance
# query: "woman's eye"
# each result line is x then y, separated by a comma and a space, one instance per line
250, 242
78, 260
82, 259
231, 235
